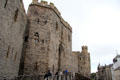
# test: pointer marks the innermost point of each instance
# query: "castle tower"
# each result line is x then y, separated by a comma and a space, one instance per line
48, 40
84, 66
12, 27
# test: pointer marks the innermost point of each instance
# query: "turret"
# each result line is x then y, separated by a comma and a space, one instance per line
98, 66
84, 67
84, 49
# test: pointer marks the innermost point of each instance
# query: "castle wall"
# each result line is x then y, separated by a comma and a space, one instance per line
75, 62
12, 27
51, 49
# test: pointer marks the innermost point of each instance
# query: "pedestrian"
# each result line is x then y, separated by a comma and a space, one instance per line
56, 74
46, 76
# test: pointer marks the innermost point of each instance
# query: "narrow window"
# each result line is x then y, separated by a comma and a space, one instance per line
36, 66
56, 26
26, 39
42, 41
53, 68
80, 58
5, 4
36, 34
8, 51
38, 20
15, 56
36, 37
16, 15
45, 22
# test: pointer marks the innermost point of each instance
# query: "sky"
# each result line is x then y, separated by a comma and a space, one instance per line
95, 23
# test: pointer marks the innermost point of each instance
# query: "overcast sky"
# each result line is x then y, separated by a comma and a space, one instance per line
95, 23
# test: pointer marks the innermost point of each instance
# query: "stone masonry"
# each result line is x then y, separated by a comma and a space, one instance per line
75, 61
48, 40
12, 27
37, 42
84, 67
83, 60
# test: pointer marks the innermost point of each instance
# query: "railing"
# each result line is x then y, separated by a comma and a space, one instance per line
40, 77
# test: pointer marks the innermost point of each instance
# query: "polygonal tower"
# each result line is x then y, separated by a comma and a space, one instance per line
84, 62
48, 40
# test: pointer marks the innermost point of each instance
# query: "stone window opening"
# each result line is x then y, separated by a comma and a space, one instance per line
36, 34
36, 37
38, 20
8, 51
60, 48
59, 55
43, 41
53, 68
5, 3
80, 58
36, 66
26, 39
56, 26
45, 22
15, 56
16, 15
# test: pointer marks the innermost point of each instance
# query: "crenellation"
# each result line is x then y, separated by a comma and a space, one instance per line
51, 6
34, 1
44, 3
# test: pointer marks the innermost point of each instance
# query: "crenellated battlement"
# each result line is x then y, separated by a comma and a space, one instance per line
34, 1
51, 6
84, 48
44, 3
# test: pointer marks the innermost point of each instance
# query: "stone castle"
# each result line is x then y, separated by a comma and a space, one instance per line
37, 42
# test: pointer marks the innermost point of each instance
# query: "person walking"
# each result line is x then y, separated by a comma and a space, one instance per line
48, 75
